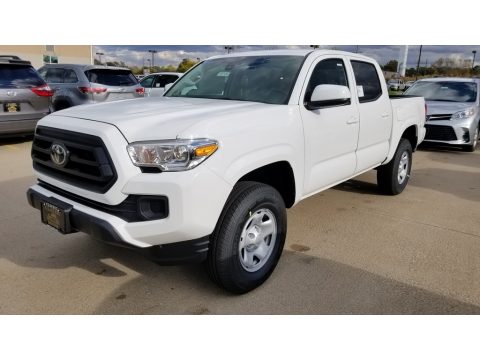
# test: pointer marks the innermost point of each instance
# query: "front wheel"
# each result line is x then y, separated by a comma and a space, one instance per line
248, 240
471, 148
392, 178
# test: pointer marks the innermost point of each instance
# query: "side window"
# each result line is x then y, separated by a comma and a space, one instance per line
330, 72
54, 75
43, 73
147, 82
163, 80
70, 76
368, 83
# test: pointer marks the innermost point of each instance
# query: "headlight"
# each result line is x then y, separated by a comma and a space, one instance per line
463, 114
172, 155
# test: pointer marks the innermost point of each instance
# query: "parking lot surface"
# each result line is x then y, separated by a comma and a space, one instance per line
349, 250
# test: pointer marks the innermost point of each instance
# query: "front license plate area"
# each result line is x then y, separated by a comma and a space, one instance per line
11, 107
56, 214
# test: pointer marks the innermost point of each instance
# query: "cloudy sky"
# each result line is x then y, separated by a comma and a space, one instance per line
173, 54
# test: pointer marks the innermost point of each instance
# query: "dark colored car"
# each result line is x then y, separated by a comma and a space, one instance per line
87, 84
24, 96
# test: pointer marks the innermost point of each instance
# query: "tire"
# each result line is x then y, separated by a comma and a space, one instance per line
392, 178
61, 105
471, 148
253, 224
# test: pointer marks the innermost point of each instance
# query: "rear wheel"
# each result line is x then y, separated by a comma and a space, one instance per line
248, 240
392, 178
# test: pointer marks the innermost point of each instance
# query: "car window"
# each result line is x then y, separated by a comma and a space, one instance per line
163, 80
368, 83
112, 77
70, 76
147, 82
267, 79
55, 75
19, 76
330, 71
453, 91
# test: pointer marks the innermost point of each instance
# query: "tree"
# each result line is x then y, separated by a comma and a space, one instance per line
186, 64
392, 65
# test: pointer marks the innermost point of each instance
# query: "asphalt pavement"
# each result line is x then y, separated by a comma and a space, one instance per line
349, 250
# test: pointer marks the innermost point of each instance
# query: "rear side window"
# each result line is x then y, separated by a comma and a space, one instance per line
163, 80
368, 83
70, 76
111, 77
54, 75
19, 76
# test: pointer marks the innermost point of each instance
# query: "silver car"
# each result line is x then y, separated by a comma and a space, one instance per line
453, 110
24, 96
87, 84
154, 84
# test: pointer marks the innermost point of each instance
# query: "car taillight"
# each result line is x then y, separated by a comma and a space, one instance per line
90, 90
43, 90
140, 91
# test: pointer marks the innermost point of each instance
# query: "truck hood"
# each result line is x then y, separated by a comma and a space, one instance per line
159, 118
446, 107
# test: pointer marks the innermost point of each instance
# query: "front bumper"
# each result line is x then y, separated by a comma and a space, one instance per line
100, 229
451, 132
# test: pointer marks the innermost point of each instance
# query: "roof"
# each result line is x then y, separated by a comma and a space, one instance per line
437, 79
164, 73
85, 67
288, 52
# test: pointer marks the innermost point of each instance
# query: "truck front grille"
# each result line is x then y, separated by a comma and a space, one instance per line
88, 164
440, 132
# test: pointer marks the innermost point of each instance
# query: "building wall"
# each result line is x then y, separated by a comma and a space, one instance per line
76, 54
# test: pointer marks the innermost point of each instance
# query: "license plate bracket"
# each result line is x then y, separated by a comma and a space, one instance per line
11, 107
56, 213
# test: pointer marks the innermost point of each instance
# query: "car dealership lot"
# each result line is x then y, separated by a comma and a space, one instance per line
348, 250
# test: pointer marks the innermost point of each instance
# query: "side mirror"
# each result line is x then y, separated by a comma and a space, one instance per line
168, 86
328, 95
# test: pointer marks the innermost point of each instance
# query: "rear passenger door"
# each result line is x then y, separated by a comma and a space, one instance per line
375, 115
331, 132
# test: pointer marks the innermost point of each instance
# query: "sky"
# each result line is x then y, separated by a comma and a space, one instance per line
137, 55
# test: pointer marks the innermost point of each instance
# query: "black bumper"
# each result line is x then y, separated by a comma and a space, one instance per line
99, 229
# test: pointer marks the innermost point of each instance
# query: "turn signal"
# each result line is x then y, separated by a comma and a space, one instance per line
206, 150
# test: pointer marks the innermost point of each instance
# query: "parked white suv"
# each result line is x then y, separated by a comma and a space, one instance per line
206, 172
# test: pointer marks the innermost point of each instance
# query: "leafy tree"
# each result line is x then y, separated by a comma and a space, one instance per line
392, 65
186, 64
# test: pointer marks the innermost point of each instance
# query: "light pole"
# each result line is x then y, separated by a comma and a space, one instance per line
418, 63
149, 69
474, 52
153, 52
229, 48
100, 56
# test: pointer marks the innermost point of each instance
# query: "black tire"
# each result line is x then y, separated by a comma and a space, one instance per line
471, 148
61, 105
223, 263
388, 174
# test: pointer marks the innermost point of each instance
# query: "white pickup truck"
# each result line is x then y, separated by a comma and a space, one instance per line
206, 172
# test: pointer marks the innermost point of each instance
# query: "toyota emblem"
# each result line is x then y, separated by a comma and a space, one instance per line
59, 154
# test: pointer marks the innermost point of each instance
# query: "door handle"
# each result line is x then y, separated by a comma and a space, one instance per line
352, 120
385, 116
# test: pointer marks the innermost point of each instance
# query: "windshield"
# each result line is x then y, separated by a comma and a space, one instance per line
453, 91
266, 79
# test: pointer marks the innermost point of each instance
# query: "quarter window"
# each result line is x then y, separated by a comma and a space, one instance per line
368, 83
70, 77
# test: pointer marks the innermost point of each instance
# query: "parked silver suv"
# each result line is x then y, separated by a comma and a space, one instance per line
24, 96
453, 110
86, 84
